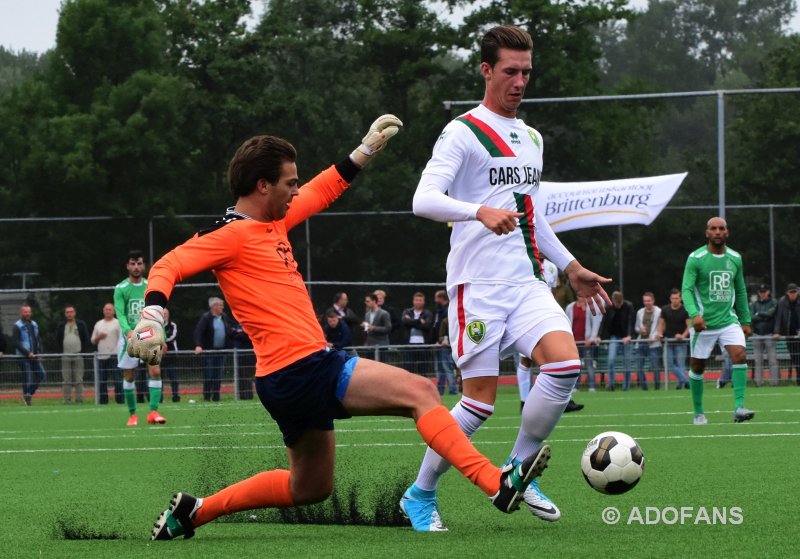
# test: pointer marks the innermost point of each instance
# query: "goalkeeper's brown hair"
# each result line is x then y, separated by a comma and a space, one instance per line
260, 157
503, 37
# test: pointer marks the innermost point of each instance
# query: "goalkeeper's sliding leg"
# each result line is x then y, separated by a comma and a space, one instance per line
347, 387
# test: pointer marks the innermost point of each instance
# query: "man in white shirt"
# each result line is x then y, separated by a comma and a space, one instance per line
483, 176
648, 348
105, 336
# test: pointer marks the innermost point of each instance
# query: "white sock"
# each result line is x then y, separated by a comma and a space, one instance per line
523, 381
545, 404
470, 415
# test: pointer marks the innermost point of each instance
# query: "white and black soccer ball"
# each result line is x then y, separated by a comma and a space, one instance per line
612, 463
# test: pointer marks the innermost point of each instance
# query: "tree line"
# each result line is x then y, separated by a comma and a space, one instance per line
137, 109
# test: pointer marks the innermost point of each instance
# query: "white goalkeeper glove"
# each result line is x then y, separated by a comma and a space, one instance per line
379, 133
147, 340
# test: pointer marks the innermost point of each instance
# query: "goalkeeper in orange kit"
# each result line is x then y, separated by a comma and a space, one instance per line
302, 384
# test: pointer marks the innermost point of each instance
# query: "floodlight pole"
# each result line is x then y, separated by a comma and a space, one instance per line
620, 280
772, 246
721, 151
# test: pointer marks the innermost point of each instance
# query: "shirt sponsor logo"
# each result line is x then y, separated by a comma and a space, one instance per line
719, 286
514, 175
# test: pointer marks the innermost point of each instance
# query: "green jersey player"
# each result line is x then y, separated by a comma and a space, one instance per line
716, 299
128, 304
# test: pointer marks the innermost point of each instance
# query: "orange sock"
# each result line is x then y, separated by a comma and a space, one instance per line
443, 435
264, 490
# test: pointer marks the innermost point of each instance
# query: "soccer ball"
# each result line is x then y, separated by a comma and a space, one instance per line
612, 463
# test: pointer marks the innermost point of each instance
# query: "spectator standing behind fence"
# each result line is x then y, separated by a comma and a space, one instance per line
787, 323
345, 313
377, 324
673, 324
72, 339
212, 333
105, 335
337, 333
585, 330
169, 363
648, 348
440, 304
246, 360
618, 327
396, 334
762, 313
28, 345
417, 322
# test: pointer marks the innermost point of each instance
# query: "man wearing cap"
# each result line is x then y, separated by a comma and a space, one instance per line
787, 323
762, 313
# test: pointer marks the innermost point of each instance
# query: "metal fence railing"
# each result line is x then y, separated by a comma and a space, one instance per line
228, 374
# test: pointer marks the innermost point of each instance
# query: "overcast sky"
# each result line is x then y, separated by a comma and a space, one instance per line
31, 24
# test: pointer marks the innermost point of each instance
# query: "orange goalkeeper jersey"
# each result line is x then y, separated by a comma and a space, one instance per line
257, 272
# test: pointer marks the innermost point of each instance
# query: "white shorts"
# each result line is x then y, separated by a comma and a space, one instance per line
125, 361
703, 342
489, 322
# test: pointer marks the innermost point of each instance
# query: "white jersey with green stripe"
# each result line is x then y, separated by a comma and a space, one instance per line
129, 302
713, 287
484, 159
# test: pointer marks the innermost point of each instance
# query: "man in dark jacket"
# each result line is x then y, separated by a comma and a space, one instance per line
337, 332
345, 313
212, 334
72, 339
787, 323
28, 346
762, 313
617, 326
417, 322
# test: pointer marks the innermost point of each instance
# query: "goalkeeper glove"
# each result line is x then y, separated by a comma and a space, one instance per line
379, 133
147, 341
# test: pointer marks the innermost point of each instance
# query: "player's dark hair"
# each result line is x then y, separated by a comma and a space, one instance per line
372, 297
135, 254
674, 290
337, 296
332, 314
503, 37
260, 157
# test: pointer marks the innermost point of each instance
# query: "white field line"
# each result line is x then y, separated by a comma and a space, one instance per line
373, 445
566, 422
157, 432
254, 404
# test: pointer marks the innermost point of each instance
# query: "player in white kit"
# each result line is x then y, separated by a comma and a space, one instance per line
483, 176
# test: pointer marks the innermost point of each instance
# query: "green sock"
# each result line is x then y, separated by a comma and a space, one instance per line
739, 377
696, 384
155, 393
129, 389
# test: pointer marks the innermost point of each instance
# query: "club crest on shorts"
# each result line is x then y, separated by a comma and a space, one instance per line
476, 330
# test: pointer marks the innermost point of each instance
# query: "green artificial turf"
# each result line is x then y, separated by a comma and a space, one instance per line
78, 483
